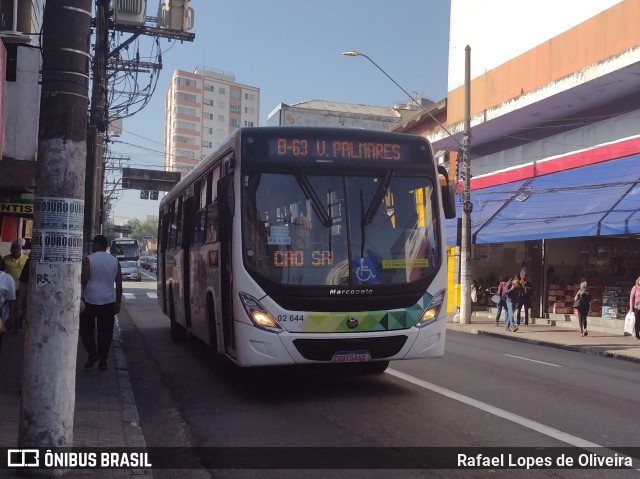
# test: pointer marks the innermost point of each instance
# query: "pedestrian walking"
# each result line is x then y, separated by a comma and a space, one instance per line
582, 303
513, 296
7, 298
634, 305
502, 294
525, 298
101, 302
14, 263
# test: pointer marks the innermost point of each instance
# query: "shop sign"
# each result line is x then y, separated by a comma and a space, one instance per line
16, 208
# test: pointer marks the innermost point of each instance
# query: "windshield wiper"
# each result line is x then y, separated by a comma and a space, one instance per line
367, 218
312, 196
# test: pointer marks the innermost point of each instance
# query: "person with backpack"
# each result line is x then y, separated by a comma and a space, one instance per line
582, 304
502, 293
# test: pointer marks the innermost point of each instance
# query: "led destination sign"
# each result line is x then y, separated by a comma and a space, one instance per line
314, 148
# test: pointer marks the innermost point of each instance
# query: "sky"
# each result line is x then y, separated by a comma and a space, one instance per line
291, 50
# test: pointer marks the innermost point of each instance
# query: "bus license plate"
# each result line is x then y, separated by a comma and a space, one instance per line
351, 357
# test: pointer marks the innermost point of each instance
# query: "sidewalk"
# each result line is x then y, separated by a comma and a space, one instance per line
603, 343
105, 415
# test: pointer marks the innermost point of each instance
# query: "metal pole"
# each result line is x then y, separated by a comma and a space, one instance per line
466, 275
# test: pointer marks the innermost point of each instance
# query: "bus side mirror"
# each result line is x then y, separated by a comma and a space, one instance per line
446, 192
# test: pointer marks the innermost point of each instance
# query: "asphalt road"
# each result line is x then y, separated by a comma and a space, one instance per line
485, 392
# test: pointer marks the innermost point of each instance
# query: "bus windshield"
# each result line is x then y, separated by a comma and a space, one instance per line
313, 229
125, 248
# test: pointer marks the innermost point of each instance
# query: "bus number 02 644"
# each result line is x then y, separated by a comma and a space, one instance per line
290, 317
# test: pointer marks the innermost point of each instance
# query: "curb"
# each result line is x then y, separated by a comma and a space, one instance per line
568, 347
133, 436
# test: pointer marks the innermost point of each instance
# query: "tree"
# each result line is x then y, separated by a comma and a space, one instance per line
143, 231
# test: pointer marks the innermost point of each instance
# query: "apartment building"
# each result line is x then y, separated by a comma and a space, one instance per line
201, 109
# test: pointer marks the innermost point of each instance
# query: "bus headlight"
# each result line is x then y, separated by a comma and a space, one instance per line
259, 316
430, 314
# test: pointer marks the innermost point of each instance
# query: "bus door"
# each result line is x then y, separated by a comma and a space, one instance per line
189, 210
226, 202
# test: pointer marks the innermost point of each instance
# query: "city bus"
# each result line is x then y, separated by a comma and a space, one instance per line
309, 245
125, 249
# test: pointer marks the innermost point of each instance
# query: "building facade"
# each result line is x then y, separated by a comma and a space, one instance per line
202, 108
329, 113
555, 148
20, 63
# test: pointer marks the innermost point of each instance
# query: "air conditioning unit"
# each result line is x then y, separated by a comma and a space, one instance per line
129, 12
175, 15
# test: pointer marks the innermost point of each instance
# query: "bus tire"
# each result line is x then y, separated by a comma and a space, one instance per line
177, 331
375, 367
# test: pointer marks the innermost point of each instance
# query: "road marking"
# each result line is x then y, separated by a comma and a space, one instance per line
129, 295
509, 416
153, 295
533, 360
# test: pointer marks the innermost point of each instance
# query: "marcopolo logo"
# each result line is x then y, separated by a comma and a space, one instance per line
23, 458
350, 292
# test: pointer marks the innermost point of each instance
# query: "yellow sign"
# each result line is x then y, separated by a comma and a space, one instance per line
403, 263
16, 208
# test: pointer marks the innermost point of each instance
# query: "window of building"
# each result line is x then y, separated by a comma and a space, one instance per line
180, 95
234, 123
235, 94
222, 104
208, 87
184, 139
249, 96
183, 110
222, 91
248, 123
186, 82
220, 117
183, 153
185, 125
249, 110
234, 108
210, 131
210, 116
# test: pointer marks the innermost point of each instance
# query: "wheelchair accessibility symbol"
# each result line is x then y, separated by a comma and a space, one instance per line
364, 272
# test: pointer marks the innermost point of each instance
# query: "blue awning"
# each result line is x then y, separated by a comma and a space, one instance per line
598, 199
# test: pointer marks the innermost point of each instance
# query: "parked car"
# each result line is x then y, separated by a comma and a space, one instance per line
130, 270
153, 266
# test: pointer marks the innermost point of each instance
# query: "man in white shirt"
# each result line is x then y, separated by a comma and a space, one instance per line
100, 271
7, 298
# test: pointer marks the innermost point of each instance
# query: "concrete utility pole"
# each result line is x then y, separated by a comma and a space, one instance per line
51, 333
466, 275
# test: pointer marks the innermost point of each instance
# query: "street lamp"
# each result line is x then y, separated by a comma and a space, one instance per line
356, 53
465, 244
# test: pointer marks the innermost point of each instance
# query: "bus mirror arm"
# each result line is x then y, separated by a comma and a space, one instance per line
448, 199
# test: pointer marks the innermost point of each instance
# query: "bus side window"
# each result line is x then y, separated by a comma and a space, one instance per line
212, 224
178, 222
200, 227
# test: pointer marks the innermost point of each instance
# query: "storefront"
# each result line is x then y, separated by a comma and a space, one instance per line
568, 219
